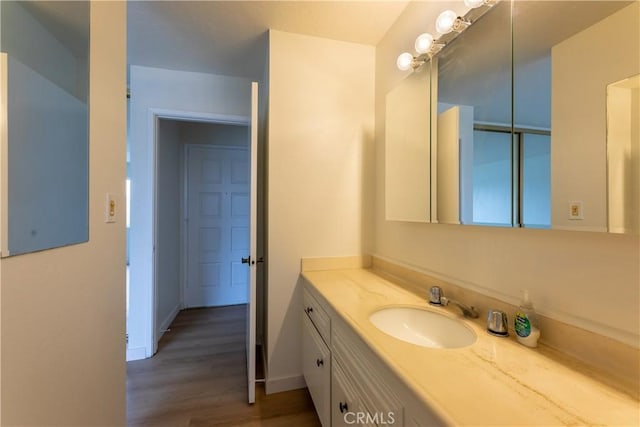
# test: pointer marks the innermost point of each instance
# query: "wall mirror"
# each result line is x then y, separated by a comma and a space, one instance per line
473, 121
44, 134
522, 114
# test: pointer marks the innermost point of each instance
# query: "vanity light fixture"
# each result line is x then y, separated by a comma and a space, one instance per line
473, 3
444, 22
406, 60
427, 46
449, 21
424, 42
477, 3
459, 25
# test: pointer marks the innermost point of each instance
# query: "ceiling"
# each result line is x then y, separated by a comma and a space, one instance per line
230, 37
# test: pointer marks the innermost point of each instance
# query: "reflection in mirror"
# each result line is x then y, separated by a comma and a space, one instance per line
559, 91
543, 166
407, 149
474, 123
535, 177
45, 51
623, 155
491, 176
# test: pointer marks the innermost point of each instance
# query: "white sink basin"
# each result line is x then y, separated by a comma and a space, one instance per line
423, 327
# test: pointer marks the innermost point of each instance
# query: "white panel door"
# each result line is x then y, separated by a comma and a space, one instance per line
253, 252
218, 226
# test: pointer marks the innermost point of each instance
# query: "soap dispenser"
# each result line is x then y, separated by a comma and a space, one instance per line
526, 323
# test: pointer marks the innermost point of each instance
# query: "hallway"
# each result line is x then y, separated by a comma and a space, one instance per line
198, 378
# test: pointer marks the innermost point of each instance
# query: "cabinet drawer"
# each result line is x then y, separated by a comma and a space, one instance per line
316, 367
318, 316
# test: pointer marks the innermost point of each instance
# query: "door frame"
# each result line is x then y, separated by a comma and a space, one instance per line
154, 116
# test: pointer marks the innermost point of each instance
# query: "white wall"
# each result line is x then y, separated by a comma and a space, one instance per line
566, 272
156, 90
63, 310
169, 243
214, 134
578, 142
320, 148
407, 159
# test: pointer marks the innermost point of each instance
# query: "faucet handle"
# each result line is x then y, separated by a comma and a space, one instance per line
435, 295
497, 323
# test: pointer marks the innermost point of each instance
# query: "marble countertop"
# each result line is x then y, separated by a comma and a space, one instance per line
495, 381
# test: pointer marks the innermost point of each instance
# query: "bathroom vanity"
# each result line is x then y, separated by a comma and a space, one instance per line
358, 374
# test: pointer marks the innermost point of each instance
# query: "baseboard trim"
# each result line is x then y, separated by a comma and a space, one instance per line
263, 350
167, 322
136, 353
277, 385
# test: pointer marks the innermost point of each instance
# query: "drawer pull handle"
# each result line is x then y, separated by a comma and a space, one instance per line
319, 362
343, 407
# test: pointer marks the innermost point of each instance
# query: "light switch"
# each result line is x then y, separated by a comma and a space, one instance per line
575, 210
110, 212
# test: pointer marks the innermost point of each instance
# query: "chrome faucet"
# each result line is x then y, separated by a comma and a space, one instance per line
436, 297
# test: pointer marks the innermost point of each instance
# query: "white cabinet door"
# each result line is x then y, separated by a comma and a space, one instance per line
316, 367
346, 408
354, 387
374, 388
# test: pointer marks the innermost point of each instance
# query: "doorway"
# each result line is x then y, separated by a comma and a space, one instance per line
201, 217
157, 272
143, 326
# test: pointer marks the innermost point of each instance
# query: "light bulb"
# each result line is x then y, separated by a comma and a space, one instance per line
444, 23
473, 3
404, 61
424, 43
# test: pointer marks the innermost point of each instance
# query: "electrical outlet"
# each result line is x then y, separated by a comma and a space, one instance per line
575, 210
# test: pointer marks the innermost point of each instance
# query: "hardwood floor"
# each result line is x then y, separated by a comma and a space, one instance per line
198, 378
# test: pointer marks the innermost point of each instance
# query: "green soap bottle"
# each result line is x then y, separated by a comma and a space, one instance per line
526, 323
